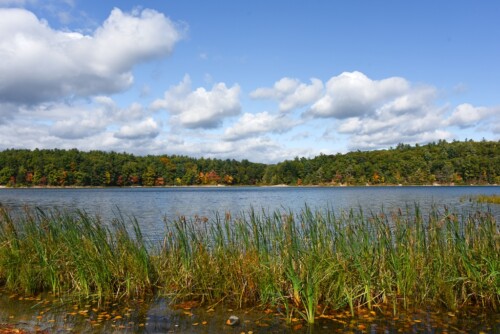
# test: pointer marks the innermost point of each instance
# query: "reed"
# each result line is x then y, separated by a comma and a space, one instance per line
304, 263
489, 199
309, 262
73, 253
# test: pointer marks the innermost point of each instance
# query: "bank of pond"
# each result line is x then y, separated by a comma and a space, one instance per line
298, 269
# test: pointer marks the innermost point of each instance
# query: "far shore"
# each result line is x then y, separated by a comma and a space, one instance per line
254, 186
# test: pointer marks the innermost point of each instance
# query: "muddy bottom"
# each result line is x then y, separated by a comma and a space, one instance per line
47, 314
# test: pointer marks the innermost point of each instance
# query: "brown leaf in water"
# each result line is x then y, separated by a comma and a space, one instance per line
187, 305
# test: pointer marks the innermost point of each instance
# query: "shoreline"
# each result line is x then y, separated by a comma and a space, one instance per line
254, 186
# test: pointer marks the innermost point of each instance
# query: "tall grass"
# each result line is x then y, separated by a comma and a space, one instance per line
303, 263
495, 199
313, 261
73, 253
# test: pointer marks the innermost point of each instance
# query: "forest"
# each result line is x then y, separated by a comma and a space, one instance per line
458, 162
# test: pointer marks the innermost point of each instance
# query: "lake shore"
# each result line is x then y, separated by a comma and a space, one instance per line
256, 186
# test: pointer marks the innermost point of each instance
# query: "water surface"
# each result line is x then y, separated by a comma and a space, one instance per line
151, 206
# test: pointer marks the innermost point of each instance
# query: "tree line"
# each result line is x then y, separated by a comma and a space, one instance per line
457, 162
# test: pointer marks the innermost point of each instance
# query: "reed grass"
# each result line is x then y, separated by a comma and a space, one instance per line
315, 261
303, 263
495, 199
73, 253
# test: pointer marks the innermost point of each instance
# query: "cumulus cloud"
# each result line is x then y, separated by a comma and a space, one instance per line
381, 140
377, 114
466, 115
258, 149
255, 124
291, 93
41, 64
148, 128
86, 127
200, 108
415, 101
353, 94
134, 112
83, 120
81, 125
382, 128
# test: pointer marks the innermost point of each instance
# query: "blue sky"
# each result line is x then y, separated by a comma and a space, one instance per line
258, 80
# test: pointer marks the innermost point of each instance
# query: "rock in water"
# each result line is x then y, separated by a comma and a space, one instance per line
233, 321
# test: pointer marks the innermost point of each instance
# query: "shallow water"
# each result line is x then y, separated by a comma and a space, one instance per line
51, 315
152, 206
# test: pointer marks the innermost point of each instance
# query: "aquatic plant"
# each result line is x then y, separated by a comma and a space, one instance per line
73, 253
489, 199
306, 263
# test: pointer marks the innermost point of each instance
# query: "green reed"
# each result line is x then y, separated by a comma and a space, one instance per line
495, 199
73, 253
309, 262
303, 263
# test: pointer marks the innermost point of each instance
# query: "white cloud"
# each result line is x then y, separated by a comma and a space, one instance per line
82, 124
291, 93
353, 94
84, 120
42, 64
255, 124
200, 108
466, 115
378, 113
24, 135
133, 112
416, 100
390, 112
258, 149
148, 128
350, 125
382, 140
384, 129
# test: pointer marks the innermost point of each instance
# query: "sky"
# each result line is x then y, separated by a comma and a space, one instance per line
259, 80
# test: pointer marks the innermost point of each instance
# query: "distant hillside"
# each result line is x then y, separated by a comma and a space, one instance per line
444, 163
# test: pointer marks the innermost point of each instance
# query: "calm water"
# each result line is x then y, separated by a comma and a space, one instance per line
152, 205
